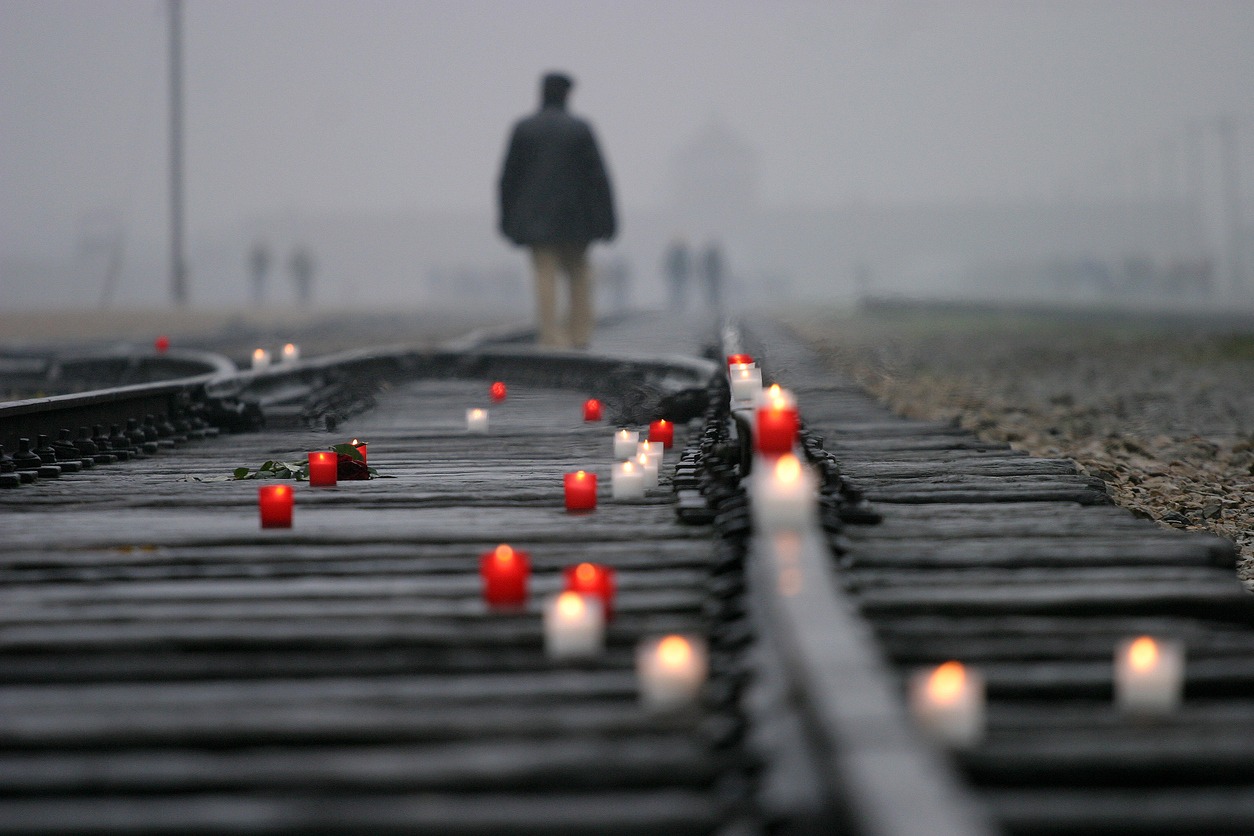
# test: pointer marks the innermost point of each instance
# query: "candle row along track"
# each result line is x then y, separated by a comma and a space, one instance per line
1026, 573
167, 665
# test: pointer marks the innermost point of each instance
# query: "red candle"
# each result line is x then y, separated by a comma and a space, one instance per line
581, 491
275, 502
592, 579
504, 572
497, 391
776, 429
322, 469
361, 448
161, 344
733, 359
663, 431
592, 410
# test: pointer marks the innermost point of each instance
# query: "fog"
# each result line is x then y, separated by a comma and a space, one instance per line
1097, 151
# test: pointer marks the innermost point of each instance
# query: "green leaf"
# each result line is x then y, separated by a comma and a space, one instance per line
240, 473
347, 450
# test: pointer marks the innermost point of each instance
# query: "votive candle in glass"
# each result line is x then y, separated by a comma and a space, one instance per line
1149, 676
778, 397
574, 626
625, 442
361, 448
670, 671
627, 480
592, 410
663, 431
653, 449
477, 421
291, 353
497, 392
275, 504
649, 466
775, 429
746, 383
782, 495
505, 572
592, 579
580, 490
261, 359
323, 467
947, 703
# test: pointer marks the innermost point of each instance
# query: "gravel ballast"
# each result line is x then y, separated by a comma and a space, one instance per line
1161, 409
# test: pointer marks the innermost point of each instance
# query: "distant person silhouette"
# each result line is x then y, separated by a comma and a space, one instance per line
678, 266
712, 268
301, 265
259, 266
618, 283
555, 197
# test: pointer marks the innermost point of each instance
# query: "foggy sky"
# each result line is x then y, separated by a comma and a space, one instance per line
378, 105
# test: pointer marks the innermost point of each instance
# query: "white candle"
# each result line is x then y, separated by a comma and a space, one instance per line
648, 465
625, 442
670, 671
776, 397
291, 353
574, 626
732, 368
654, 449
627, 480
261, 359
782, 494
1149, 676
477, 421
746, 384
947, 703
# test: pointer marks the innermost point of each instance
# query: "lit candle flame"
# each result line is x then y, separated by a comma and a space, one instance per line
282, 490
504, 554
289, 350
579, 474
259, 354
674, 652
628, 467
586, 572
788, 469
570, 605
947, 682
1143, 654
476, 413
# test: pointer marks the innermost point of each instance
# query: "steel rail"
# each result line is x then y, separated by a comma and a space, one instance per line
880, 777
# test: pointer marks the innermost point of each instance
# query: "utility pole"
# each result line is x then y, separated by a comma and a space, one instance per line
178, 266
1230, 166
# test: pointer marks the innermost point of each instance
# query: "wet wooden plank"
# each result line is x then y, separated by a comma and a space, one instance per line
1019, 552
483, 814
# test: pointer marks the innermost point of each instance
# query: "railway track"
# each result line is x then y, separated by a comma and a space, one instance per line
165, 666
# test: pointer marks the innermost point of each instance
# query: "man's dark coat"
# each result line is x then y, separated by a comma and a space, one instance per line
554, 188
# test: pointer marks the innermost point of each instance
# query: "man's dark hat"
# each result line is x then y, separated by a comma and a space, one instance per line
555, 86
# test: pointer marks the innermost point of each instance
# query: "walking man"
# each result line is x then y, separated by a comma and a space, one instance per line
555, 197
